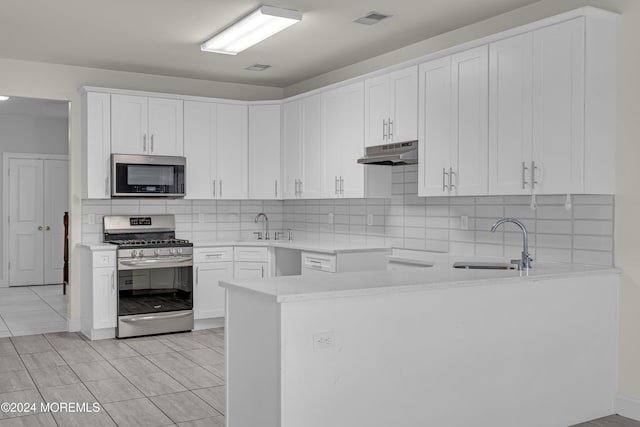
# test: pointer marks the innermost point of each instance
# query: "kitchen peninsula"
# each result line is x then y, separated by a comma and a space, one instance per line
428, 346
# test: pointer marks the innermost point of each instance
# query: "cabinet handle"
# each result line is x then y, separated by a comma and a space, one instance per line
533, 175
113, 282
444, 179
262, 269
300, 187
144, 143
197, 274
106, 186
214, 188
342, 185
524, 173
336, 185
276, 188
390, 129
384, 129
451, 175
152, 143
220, 188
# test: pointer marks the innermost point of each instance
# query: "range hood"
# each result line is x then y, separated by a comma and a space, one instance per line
401, 153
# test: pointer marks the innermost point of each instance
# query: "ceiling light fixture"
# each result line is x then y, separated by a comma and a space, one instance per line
3, 98
252, 29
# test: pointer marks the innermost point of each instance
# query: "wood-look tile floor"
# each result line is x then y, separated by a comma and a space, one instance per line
165, 380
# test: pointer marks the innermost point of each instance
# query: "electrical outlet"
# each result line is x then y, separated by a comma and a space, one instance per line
200, 217
464, 222
91, 218
369, 219
330, 218
323, 340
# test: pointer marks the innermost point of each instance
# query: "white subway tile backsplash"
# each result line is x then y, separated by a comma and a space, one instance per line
593, 212
604, 228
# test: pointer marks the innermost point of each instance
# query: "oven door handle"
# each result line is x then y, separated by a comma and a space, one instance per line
169, 262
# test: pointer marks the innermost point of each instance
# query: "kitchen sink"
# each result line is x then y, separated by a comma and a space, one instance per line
477, 265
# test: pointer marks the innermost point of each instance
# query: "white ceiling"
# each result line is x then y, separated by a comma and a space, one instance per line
163, 36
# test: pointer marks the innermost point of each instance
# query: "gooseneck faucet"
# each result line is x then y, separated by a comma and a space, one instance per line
266, 224
525, 261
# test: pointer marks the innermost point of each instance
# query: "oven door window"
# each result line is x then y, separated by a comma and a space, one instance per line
155, 290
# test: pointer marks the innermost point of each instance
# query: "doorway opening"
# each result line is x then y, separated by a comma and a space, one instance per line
34, 141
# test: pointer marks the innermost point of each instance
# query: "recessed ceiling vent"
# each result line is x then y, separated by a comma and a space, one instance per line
371, 18
258, 67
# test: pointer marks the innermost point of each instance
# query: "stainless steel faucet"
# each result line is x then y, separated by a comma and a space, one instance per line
525, 261
266, 224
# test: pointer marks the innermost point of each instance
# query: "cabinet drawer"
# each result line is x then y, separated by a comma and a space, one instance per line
319, 262
104, 259
250, 253
224, 253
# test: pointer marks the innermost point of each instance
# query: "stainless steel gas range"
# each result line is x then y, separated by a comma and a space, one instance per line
155, 275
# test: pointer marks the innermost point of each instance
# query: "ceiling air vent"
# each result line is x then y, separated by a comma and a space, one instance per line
371, 18
258, 67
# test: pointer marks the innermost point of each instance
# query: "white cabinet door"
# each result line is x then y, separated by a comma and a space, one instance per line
96, 145
510, 115
376, 102
208, 296
55, 205
165, 127
129, 124
391, 107
558, 107
199, 148
310, 186
264, 152
104, 298
403, 109
469, 119
231, 153
435, 128
343, 142
249, 270
291, 148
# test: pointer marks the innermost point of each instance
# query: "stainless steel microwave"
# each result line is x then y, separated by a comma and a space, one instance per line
147, 176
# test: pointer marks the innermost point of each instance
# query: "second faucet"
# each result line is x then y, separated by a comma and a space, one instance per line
266, 224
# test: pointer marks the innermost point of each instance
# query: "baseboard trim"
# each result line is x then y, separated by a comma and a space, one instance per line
628, 407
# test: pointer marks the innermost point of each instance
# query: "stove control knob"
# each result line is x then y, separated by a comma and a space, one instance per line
141, 253
134, 253
156, 252
179, 250
172, 251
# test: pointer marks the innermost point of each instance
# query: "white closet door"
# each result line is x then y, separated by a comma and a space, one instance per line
55, 204
26, 222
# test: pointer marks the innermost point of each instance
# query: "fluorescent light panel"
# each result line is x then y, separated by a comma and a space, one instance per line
252, 29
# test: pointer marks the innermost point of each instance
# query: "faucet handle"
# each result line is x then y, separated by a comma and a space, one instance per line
259, 233
290, 231
277, 235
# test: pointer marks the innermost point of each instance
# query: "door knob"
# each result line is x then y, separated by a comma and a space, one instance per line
47, 228
39, 228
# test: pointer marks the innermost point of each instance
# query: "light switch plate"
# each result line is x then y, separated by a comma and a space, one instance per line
200, 217
91, 218
464, 222
323, 340
369, 219
330, 218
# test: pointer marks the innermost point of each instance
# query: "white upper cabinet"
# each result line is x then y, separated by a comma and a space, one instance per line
391, 107
96, 145
552, 110
453, 125
301, 145
143, 125
264, 152
216, 150
343, 144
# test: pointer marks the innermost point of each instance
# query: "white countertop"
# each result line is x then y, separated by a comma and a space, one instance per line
98, 246
441, 276
301, 245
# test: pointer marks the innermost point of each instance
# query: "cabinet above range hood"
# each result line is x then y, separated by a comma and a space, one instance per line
397, 154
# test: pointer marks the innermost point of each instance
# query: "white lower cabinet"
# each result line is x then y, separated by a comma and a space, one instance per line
99, 295
249, 270
250, 262
210, 266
